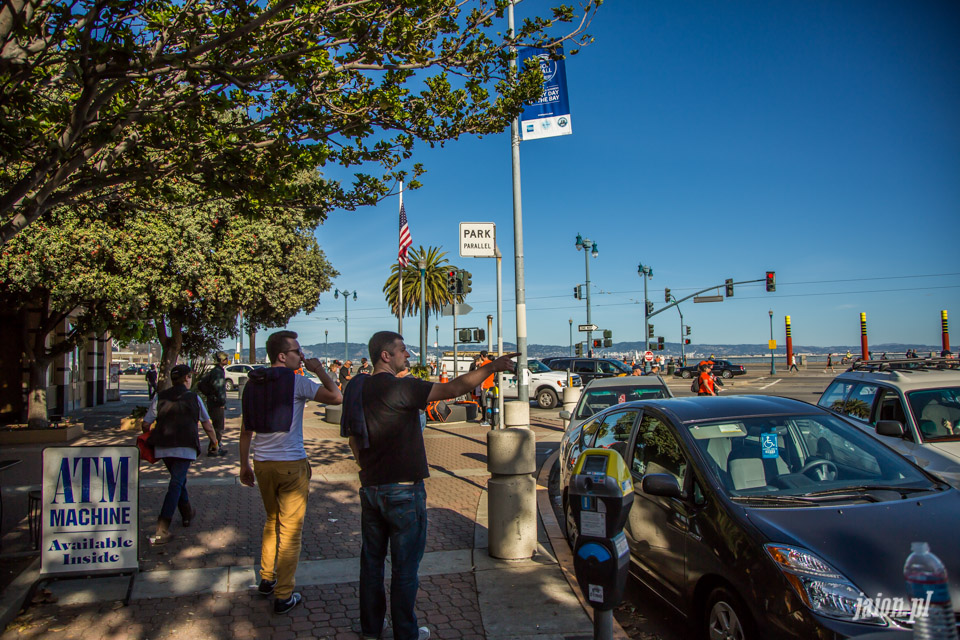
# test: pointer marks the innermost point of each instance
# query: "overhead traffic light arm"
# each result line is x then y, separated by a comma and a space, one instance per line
650, 314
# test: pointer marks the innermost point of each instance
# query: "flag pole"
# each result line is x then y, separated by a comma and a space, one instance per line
400, 276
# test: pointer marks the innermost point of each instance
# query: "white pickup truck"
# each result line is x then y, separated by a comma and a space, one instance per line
546, 385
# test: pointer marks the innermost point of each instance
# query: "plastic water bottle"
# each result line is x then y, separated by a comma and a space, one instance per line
927, 582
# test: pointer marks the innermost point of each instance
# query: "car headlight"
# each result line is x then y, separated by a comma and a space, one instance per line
822, 588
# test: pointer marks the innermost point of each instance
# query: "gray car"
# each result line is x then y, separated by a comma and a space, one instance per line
913, 409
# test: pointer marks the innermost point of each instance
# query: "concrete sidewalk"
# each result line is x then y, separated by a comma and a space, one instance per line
202, 585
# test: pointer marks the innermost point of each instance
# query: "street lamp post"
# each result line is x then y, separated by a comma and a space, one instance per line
326, 345
571, 337
346, 295
437, 329
773, 360
589, 248
646, 272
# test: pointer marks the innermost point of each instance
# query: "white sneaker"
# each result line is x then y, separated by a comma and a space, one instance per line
424, 633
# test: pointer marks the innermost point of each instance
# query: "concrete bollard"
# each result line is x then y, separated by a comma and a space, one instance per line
571, 396
516, 414
512, 493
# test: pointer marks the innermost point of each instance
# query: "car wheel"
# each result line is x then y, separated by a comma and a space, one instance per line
685, 374
228, 385
727, 373
726, 617
546, 398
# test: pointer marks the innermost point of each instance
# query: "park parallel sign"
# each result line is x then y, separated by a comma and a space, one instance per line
478, 240
90, 510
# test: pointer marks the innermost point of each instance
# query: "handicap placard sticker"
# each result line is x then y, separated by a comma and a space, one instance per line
768, 445
596, 593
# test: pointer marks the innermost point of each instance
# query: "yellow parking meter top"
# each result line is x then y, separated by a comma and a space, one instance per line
604, 462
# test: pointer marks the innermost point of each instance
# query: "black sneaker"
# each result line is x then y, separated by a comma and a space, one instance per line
281, 607
266, 586
222, 451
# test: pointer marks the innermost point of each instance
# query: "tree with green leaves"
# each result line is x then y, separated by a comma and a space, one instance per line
435, 281
187, 268
101, 99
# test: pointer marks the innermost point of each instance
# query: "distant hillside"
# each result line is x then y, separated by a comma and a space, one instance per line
357, 350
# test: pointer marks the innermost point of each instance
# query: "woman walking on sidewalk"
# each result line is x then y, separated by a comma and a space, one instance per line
177, 440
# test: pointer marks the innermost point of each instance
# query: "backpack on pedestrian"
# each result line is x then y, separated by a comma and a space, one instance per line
695, 387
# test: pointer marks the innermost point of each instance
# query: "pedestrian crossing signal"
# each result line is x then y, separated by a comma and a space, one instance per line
686, 341
597, 343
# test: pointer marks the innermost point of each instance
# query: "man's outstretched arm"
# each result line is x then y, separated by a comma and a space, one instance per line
471, 379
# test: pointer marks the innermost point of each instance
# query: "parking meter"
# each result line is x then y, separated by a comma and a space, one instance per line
600, 496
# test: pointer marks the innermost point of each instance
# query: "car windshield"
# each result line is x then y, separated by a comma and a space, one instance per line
597, 399
538, 367
802, 455
937, 412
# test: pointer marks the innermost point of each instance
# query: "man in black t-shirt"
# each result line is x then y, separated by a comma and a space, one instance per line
392, 468
346, 374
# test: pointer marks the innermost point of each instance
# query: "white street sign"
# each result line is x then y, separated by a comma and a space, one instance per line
462, 309
478, 240
588, 327
648, 356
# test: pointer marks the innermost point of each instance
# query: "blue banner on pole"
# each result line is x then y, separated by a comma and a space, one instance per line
550, 115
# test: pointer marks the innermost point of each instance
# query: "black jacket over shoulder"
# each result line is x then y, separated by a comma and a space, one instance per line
178, 413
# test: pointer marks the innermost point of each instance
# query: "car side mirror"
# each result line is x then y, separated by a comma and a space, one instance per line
660, 484
890, 428
565, 415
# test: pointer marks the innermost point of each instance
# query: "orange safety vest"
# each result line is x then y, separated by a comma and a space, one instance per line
707, 386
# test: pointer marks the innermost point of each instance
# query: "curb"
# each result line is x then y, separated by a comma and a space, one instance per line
16, 593
561, 548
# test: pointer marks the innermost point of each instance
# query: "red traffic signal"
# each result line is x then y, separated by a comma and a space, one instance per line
771, 281
597, 343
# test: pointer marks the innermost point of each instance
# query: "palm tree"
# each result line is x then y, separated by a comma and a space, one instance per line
435, 281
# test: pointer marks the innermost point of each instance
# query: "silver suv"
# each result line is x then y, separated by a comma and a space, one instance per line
912, 406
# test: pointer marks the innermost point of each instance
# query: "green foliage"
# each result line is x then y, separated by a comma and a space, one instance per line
139, 412
435, 280
100, 101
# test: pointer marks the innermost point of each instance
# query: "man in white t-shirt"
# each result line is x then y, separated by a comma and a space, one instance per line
273, 403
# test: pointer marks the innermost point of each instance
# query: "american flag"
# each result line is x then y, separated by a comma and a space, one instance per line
405, 240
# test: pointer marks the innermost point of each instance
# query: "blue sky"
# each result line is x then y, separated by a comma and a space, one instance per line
711, 140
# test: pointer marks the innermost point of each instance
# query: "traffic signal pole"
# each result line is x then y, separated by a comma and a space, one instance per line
679, 300
586, 258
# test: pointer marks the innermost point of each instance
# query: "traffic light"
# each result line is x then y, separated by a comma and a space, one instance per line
463, 283
576, 291
452, 281
479, 335
729, 283
579, 349
649, 307
666, 295
660, 343
686, 341
771, 281
607, 338
465, 335
597, 343
649, 330
688, 329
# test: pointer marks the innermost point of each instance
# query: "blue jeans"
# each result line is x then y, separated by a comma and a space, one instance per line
396, 514
177, 489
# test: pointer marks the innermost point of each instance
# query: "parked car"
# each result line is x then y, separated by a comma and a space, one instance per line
135, 369
913, 409
743, 524
590, 368
546, 385
723, 368
598, 395
233, 373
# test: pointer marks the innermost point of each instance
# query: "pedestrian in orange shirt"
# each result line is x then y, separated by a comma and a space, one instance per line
707, 386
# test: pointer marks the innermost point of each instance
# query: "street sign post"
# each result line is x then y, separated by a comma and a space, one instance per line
588, 327
648, 356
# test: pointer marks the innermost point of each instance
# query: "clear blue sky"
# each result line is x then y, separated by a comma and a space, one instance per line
820, 139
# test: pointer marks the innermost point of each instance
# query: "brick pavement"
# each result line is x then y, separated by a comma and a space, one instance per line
227, 534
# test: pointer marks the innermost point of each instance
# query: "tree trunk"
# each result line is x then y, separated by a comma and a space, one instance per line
37, 394
170, 343
253, 347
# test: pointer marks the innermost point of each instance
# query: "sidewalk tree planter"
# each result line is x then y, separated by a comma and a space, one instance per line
51, 434
134, 422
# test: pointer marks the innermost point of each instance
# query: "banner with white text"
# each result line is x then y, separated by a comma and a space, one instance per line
89, 509
550, 115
